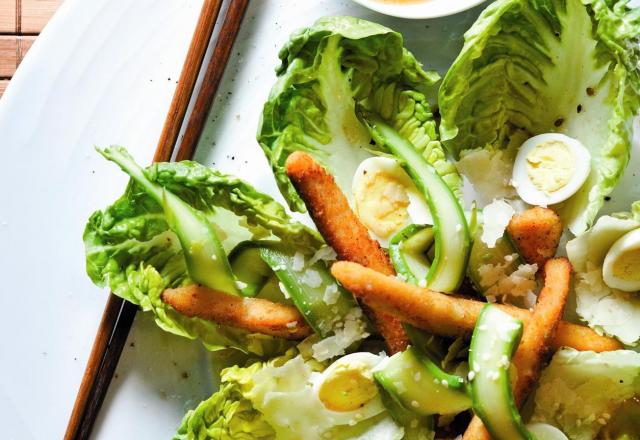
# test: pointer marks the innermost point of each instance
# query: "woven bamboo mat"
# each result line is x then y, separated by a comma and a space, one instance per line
20, 23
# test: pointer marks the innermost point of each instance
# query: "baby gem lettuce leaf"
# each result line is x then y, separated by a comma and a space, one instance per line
277, 399
131, 249
331, 73
228, 414
610, 311
580, 391
535, 66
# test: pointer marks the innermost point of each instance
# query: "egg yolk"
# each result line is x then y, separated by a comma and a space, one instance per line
348, 388
381, 203
627, 265
550, 166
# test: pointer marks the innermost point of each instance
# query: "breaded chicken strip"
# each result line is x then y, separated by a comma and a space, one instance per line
536, 233
253, 314
444, 314
536, 337
344, 232
541, 329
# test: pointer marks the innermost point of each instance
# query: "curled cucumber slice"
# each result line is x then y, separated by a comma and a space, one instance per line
494, 341
452, 240
309, 288
408, 252
251, 271
421, 386
482, 254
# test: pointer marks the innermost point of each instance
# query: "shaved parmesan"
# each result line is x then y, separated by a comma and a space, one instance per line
354, 330
312, 278
501, 283
496, 216
489, 172
325, 253
331, 294
610, 311
298, 262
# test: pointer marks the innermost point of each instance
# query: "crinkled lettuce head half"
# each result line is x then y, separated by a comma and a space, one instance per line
610, 311
131, 249
581, 391
228, 414
536, 66
330, 74
275, 399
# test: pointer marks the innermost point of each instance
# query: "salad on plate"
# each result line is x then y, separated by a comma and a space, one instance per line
461, 281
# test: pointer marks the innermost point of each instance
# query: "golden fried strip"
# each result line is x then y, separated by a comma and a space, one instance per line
536, 338
447, 315
252, 314
543, 325
333, 216
476, 430
344, 232
536, 233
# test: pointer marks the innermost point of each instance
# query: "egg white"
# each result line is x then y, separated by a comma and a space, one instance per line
628, 242
372, 408
525, 187
546, 431
417, 210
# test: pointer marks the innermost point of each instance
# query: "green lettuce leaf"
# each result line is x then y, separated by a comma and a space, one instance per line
273, 399
221, 194
131, 249
227, 414
224, 416
285, 395
580, 391
332, 73
537, 66
415, 427
610, 311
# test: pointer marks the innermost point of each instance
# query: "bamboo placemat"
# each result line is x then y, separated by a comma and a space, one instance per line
20, 23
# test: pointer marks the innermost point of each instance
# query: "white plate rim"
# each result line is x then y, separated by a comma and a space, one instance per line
419, 10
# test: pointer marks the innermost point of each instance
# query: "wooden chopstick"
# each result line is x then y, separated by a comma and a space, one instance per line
101, 365
187, 81
100, 344
212, 78
118, 314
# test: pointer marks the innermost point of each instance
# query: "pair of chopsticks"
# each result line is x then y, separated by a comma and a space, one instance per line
118, 314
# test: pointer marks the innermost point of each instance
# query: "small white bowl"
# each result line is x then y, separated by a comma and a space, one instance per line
418, 8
